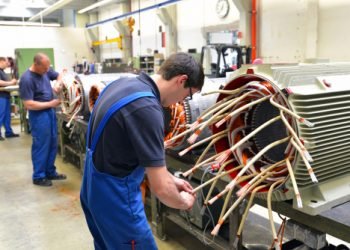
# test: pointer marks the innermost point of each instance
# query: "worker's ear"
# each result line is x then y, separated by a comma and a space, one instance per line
182, 79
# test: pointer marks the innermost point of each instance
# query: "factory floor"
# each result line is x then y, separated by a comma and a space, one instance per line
34, 217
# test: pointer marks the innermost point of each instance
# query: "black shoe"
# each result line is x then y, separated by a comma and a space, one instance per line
12, 135
2, 138
42, 182
57, 177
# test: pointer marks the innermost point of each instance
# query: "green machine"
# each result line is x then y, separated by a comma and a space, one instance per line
24, 59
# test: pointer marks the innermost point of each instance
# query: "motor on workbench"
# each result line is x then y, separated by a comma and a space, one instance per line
280, 133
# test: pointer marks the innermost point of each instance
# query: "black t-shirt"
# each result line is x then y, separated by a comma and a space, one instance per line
134, 135
4, 77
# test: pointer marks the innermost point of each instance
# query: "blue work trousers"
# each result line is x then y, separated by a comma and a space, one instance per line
5, 115
44, 148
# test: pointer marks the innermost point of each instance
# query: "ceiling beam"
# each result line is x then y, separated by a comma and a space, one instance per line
19, 23
95, 5
50, 9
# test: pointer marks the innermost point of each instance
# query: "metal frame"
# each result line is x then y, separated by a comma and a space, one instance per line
335, 222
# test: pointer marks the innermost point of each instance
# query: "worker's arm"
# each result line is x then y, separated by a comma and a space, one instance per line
35, 105
163, 185
7, 83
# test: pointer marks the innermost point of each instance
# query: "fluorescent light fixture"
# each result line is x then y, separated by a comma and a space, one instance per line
95, 5
18, 23
50, 9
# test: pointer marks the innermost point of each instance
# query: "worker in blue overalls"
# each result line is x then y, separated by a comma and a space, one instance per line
125, 141
5, 103
37, 95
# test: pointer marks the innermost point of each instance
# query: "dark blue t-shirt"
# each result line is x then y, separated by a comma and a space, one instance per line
134, 135
37, 87
4, 77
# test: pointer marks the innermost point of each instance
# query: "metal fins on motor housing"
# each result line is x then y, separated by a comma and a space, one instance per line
319, 93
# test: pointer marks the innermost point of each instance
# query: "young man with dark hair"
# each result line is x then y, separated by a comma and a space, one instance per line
124, 142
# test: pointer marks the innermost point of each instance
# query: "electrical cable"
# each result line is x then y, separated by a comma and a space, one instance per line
211, 218
269, 207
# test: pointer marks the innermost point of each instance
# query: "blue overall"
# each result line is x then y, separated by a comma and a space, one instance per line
5, 115
113, 206
44, 148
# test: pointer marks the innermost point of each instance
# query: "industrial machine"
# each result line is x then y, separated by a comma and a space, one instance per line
218, 59
79, 94
271, 134
313, 99
280, 133
180, 115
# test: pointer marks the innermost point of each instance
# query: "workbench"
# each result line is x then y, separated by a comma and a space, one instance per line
71, 141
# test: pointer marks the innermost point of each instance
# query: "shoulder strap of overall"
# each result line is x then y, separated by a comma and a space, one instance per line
114, 108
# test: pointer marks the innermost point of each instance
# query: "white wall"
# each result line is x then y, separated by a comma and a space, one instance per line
282, 30
334, 32
297, 30
107, 30
148, 23
193, 17
69, 44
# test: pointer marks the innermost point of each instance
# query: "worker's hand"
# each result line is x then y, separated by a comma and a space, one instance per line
55, 102
13, 81
188, 200
182, 185
58, 86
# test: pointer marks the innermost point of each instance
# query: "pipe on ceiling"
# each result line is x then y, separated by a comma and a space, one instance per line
155, 6
253, 29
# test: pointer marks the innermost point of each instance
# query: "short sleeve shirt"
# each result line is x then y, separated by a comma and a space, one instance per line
37, 87
134, 135
4, 77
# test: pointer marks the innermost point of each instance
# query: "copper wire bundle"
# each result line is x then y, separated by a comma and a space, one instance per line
255, 138
72, 96
95, 91
177, 126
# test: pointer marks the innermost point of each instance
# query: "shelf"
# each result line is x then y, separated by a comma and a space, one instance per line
146, 64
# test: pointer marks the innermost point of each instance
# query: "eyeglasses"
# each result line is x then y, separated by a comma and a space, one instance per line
190, 96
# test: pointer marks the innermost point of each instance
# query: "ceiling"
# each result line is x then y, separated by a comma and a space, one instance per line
18, 10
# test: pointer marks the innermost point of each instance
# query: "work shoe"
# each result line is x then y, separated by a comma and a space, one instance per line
57, 177
42, 182
12, 135
2, 138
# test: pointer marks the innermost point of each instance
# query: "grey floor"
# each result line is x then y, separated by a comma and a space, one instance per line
34, 217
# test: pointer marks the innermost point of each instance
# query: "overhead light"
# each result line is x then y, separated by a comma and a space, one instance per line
18, 23
49, 9
95, 5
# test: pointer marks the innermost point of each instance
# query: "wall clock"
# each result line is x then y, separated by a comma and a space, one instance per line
222, 8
